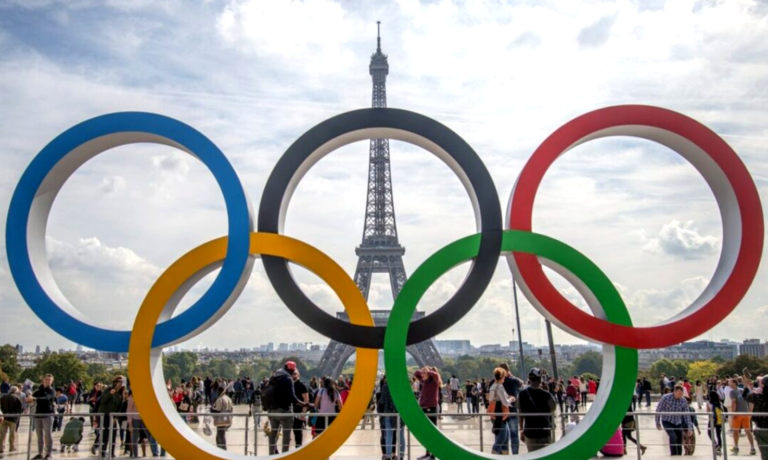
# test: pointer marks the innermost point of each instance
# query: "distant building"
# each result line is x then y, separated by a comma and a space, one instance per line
454, 347
753, 347
700, 350
19, 349
37, 350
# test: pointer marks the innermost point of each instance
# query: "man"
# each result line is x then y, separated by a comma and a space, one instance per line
10, 406
207, 388
43, 400
663, 382
647, 392
283, 397
299, 421
454, 385
429, 398
536, 430
758, 403
62, 403
111, 402
674, 424
5, 387
512, 386
741, 421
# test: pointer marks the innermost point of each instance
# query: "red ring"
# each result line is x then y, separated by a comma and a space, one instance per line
567, 315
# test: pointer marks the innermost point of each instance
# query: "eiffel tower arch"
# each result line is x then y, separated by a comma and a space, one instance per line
380, 250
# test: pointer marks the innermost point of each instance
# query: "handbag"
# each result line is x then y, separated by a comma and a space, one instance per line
183, 407
493, 407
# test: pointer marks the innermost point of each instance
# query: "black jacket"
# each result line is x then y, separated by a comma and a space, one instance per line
10, 405
285, 395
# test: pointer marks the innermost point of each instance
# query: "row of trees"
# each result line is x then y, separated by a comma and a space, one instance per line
702, 370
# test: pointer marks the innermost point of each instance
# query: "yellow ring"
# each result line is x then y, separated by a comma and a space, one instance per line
160, 415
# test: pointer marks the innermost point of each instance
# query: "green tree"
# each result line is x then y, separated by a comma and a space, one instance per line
186, 361
3, 375
590, 361
9, 361
63, 366
216, 368
755, 366
701, 370
668, 367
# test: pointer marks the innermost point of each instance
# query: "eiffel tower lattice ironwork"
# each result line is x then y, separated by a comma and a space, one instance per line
380, 250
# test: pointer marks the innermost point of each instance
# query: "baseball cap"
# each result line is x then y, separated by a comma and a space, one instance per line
290, 366
535, 372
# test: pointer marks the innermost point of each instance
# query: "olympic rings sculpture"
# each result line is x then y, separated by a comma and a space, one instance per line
526, 252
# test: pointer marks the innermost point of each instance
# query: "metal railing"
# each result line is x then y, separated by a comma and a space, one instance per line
247, 433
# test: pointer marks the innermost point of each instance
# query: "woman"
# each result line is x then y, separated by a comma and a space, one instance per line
699, 392
559, 391
136, 428
328, 401
628, 426
183, 402
715, 408
584, 391
499, 403
689, 439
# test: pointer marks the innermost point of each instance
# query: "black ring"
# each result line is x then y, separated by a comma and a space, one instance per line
482, 268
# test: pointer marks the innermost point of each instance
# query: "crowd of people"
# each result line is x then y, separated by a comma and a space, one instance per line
285, 408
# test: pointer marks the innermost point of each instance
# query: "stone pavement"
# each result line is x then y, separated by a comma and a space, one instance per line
364, 443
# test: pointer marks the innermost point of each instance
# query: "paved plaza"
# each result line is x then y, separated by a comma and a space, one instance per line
364, 443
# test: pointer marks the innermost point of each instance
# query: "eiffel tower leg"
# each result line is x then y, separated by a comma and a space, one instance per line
334, 358
426, 354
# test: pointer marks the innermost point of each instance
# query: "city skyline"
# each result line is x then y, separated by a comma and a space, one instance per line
502, 76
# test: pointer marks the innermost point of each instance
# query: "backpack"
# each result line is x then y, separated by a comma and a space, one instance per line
268, 402
718, 416
496, 407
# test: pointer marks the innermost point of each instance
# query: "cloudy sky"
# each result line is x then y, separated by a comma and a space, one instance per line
253, 76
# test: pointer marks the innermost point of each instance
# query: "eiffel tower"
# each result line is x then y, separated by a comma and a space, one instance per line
380, 250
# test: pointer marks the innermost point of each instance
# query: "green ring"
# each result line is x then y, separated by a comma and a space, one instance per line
595, 429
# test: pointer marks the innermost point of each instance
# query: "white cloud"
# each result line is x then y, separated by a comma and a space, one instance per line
112, 184
682, 239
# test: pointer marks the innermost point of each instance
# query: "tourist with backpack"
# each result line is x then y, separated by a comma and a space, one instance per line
327, 401
715, 407
277, 398
221, 411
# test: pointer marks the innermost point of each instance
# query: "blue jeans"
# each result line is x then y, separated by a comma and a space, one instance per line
389, 425
648, 398
514, 433
501, 441
675, 433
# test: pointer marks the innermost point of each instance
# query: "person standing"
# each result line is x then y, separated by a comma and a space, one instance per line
454, 386
699, 393
43, 400
742, 421
429, 398
716, 420
584, 391
534, 403
62, 402
111, 403
222, 419
512, 386
299, 418
327, 401
674, 424
501, 407
281, 397
758, 403
10, 406
647, 391
390, 423
5, 387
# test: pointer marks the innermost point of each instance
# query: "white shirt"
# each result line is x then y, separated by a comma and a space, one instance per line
454, 383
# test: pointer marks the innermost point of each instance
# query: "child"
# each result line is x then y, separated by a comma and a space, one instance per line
460, 402
73, 434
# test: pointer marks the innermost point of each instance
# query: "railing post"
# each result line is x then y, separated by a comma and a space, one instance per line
409, 441
724, 437
29, 438
245, 444
481, 431
100, 434
637, 435
397, 436
712, 435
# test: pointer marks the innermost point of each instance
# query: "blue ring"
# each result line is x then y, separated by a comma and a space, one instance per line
240, 224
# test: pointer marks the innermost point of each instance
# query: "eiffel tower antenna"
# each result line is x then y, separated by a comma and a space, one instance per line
380, 250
